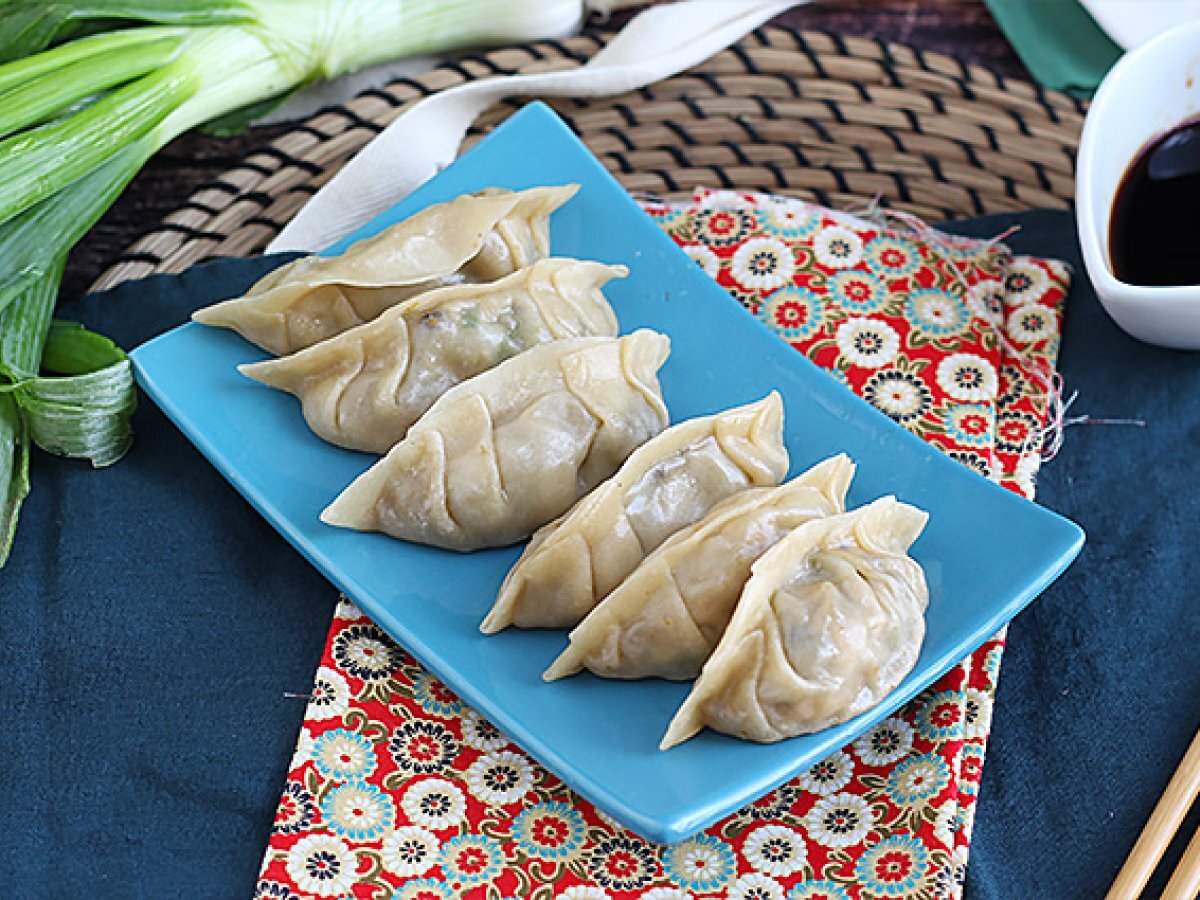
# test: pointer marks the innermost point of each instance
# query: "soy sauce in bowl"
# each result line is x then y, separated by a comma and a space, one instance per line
1155, 232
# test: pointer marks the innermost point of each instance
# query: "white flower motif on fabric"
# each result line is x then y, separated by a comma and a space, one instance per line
705, 258
763, 264
776, 850
948, 882
471, 859
550, 830
481, 734
857, 292
343, 755
967, 377
409, 850
330, 695
420, 746
365, 652
972, 424
887, 742
1025, 281
725, 199
937, 313
898, 866
790, 218
977, 713
322, 865
500, 778
919, 778
1019, 432
435, 804
946, 825
703, 863
756, 886
360, 812
828, 776
1030, 323
838, 248
623, 863
724, 227
892, 258
868, 343
583, 892
985, 300
901, 395
840, 820
781, 210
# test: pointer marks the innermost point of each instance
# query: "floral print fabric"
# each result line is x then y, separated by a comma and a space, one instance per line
399, 790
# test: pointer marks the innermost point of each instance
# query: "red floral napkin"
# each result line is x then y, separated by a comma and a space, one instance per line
399, 790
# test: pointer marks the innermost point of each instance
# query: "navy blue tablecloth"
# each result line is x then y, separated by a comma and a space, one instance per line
153, 626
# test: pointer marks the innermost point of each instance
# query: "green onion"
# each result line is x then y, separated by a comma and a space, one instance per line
24, 324
84, 413
34, 102
32, 25
38, 163
14, 470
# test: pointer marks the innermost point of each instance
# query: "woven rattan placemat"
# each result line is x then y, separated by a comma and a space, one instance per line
838, 120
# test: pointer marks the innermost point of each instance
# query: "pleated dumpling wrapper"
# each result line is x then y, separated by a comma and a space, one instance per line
664, 620
365, 387
473, 238
666, 485
507, 451
830, 622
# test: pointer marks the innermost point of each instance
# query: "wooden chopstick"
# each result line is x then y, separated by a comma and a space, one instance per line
1185, 883
1156, 836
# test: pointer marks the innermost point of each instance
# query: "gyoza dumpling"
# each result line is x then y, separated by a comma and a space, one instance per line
665, 619
507, 451
669, 483
830, 622
475, 237
365, 387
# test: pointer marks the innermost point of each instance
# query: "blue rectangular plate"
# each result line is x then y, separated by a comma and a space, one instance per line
987, 552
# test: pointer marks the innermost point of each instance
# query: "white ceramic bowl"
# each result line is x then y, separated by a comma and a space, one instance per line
1148, 92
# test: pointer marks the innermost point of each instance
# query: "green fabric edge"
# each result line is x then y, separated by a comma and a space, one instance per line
1058, 41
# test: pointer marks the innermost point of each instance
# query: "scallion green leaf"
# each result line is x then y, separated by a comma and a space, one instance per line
38, 163
38, 100
28, 26
14, 470
24, 324
82, 416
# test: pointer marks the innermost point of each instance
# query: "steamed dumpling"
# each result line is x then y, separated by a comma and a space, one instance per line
365, 387
830, 622
475, 237
669, 483
665, 619
507, 451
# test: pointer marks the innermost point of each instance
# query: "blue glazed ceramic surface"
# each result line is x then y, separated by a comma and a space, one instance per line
987, 552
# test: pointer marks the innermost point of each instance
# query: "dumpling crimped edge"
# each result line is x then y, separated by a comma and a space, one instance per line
688, 720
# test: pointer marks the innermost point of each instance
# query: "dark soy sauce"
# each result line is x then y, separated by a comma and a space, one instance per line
1155, 233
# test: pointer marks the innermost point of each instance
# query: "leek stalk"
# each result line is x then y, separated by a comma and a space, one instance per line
78, 119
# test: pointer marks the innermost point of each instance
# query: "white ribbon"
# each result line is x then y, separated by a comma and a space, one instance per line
656, 44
